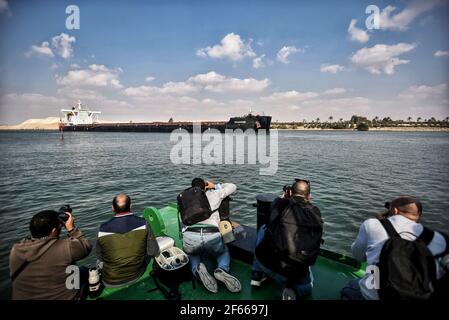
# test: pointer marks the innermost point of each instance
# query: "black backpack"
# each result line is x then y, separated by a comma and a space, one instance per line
168, 282
406, 268
296, 236
193, 206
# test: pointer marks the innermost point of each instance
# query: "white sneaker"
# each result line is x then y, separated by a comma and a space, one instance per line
208, 281
231, 282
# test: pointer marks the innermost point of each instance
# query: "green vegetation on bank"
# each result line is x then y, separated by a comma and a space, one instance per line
363, 123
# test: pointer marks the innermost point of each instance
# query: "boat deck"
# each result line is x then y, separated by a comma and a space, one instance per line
331, 271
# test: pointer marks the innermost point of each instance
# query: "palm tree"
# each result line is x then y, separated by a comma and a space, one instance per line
418, 119
331, 118
409, 119
317, 119
446, 119
341, 120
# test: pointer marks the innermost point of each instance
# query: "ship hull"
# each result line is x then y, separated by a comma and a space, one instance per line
243, 123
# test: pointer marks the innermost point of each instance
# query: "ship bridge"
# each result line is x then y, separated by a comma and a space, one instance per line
80, 114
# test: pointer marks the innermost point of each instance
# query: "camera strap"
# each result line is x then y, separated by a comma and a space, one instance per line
19, 270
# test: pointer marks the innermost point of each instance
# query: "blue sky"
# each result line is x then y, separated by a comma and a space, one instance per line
214, 59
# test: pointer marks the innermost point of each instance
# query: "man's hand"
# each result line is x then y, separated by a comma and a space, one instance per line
210, 185
70, 223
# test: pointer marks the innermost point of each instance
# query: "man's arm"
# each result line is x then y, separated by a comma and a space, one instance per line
225, 190
79, 246
360, 245
278, 205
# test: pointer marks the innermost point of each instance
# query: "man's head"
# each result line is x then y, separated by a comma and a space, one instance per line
301, 188
200, 183
406, 206
45, 223
121, 203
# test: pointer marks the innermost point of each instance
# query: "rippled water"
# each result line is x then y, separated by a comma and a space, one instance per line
352, 174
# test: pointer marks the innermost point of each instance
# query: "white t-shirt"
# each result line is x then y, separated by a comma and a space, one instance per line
215, 198
372, 236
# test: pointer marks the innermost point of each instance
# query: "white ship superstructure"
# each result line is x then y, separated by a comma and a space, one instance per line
79, 115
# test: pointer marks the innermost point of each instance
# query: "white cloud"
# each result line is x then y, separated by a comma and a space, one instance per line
357, 34
331, 68
284, 52
290, 96
211, 81
94, 76
150, 78
381, 58
424, 92
335, 91
441, 53
43, 49
63, 45
401, 20
232, 47
258, 62
3, 5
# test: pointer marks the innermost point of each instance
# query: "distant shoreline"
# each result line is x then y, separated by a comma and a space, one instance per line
390, 129
383, 129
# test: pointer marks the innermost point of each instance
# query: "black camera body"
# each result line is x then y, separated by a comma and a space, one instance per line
62, 215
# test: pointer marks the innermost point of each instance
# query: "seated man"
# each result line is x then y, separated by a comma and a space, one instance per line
403, 215
38, 264
123, 245
204, 239
284, 264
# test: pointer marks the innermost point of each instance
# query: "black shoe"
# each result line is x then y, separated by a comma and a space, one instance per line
257, 277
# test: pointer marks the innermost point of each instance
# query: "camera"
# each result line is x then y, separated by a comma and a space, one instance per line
62, 215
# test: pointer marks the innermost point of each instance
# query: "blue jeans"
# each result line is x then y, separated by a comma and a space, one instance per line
303, 287
199, 244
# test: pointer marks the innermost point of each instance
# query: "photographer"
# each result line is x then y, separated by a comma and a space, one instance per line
204, 239
289, 243
38, 264
402, 249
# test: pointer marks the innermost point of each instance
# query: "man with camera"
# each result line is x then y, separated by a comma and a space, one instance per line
204, 239
401, 249
289, 243
38, 264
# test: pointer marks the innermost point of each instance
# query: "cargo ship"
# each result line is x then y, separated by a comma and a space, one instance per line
80, 118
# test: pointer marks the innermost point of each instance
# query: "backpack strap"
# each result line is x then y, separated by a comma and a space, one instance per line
388, 226
426, 235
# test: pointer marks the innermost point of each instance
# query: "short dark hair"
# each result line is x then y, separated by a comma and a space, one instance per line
301, 188
198, 182
43, 223
403, 204
122, 206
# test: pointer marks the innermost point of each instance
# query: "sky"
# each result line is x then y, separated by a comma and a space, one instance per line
210, 60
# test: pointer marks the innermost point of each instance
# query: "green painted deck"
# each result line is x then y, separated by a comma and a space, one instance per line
331, 272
